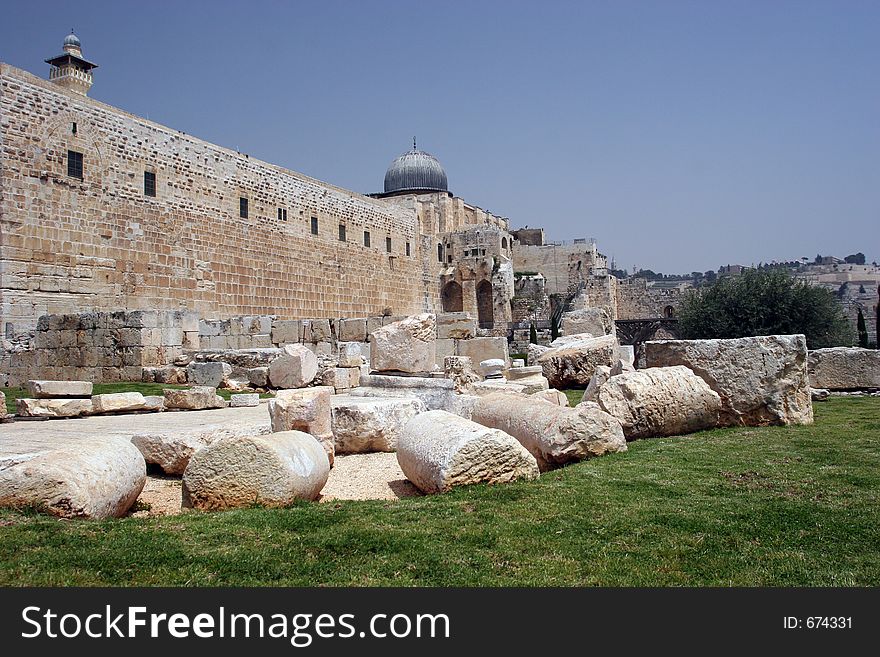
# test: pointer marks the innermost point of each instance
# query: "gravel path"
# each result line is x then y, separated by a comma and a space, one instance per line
374, 476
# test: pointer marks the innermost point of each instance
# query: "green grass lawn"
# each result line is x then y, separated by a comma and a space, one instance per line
777, 506
104, 388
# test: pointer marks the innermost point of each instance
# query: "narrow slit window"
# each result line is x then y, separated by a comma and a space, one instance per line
314, 225
341, 232
366, 238
407, 248
243, 207
388, 244
149, 183
73, 127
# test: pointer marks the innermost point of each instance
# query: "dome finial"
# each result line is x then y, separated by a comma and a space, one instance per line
414, 143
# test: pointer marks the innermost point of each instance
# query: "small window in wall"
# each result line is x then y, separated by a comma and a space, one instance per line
149, 183
407, 248
388, 244
449, 258
439, 253
75, 164
282, 214
341, 232
243, 207
366, 238
314, 225
503, 242
73, 127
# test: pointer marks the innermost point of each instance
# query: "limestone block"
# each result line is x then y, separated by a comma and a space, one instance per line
517, 362
573, 362
154, 403
210, 328
55, 389
461, 371
374, 324
118, 402
458, 326
516, 373
364, 424
553, 434
350, 354
443, 349
600, 376
294, 368
660, 401
620, 366
480, 349
244, 400
627, 353
342, 378
189, 321
533, 384
91, 477
258, 376
166, 374
306, 410
272, 470
351, 330
191, 340
142, 319
761, 380
405, 346
595, 321
553, 396
53, 407
492, 386
172, 449
193, 399
844, 368
819, 394
438, 450
317, 330
3, 412
215, 375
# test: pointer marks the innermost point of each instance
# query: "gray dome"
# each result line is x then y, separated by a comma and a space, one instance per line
415, 171
72, 40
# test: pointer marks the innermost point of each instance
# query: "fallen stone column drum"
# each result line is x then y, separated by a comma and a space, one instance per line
554, 434
438, 450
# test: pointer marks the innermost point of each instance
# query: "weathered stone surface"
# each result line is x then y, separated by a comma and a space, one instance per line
533, 384
554, 434
3, 412
53, 407
364, 424
351, 330
457, 326
350, 354
575, 360
492, 368
620, 366
492, 386
480, 349
660, 401
56, 389
287, 331
553, 396
296, 367
761, 380
600, 376
627, 353
171, 449
435, 393
595, 321
518, 363
270, 470
404, 346
215, 374
306, 410
118, 402
517, 373
342, 378
438, 450
92, 477
844, 368
193, 399
460, 370
819, 394
535, 351
317, 330
258, 376
168, 374
246, 399
154, 403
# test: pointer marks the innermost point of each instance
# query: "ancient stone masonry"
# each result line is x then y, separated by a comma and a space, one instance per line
213, 239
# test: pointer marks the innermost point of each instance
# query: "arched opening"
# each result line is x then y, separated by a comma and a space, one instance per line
504, 243
485, 312
668, 312
439, 253
451, 298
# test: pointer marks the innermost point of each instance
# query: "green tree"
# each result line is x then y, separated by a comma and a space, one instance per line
533, 334
862, 329
766, 302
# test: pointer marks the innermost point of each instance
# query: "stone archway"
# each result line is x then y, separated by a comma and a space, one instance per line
485, 310
451, 298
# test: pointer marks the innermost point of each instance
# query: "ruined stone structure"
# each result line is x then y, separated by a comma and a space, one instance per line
101, 210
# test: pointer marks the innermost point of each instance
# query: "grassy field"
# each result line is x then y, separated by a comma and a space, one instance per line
104, 388
777, 506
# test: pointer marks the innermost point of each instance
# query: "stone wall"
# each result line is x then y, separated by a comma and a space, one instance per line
97, 243
566, 267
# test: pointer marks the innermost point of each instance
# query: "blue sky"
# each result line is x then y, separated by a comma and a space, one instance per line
681, 135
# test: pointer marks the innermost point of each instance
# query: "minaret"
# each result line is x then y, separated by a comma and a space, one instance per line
69, 69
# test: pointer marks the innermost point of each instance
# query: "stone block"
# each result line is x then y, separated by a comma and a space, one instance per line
480, 349
214, 374
287, 331
245, 399
70, 407
118, 402
53, 389
350, 354
351, 330
458, 326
